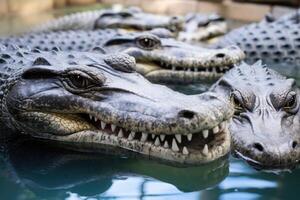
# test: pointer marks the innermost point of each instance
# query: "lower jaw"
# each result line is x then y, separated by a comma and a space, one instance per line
264, 164
168, 76
99, 139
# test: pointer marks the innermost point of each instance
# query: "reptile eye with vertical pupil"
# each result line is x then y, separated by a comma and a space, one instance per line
148, 43
79, 81
291, 101
238, 107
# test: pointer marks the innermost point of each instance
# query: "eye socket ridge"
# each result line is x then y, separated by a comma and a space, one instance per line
148, 42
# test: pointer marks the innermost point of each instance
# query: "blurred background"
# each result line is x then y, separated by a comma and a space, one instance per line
19, 15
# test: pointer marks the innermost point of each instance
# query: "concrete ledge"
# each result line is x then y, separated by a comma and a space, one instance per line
28, 7
3, 7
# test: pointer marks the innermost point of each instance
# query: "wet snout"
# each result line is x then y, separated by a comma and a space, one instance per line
268, 142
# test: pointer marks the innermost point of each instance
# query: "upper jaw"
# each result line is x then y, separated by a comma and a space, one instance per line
192, 148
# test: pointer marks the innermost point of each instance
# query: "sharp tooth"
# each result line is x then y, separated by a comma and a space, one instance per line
144, 137
222, 126
91, 117
205, 149
185, 151
216, 130
173, 68
174, 145
196, 69
189, 137
103, 124
157, 142
166, 144
153, 136
95, 119
205, 133
131, 136
162, 137
178, 137
113, 127
120, 134
188, 69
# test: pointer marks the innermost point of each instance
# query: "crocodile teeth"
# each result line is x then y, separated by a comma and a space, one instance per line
113, 128
178, 137
153, 136
120, 134
196, 69
185, 151
157, 142
216, 130
189, 137
103, 124
91, 117
131, 136
144, 137
205, 149
166, 144
95, 119
174, 145
162, 137
222, 126
205, 133
173, 68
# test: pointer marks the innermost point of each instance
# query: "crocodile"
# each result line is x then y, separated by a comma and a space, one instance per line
202, 27
160, 58
274, 41
130, 19
99, 100
266, 124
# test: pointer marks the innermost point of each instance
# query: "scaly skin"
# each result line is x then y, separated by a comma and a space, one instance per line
265, 127
131, 19
202, 27
274, 41
159, 57
95, 99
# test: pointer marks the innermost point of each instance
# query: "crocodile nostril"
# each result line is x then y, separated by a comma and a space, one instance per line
294, 144
220, 55
186, 114
258, 146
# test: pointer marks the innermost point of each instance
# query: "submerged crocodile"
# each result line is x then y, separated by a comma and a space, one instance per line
274, 41
98, 100
131, 19
202, 27
265, 126
159, 58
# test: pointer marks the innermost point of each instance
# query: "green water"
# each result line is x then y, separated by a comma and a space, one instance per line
37, 170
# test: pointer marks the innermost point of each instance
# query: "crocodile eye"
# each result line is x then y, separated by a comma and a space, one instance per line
148, 43
291, 101
80, 81
238, 107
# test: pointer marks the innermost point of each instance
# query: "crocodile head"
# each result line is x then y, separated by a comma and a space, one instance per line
265, 127
94, 99
200, 27
164, 59
134, 19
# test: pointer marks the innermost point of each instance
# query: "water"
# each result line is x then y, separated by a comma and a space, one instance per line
37, 170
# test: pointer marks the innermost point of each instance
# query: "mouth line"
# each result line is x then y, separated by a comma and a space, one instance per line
204, 142
217, 70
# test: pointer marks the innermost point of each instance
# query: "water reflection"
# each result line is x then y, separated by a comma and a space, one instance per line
38, 169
